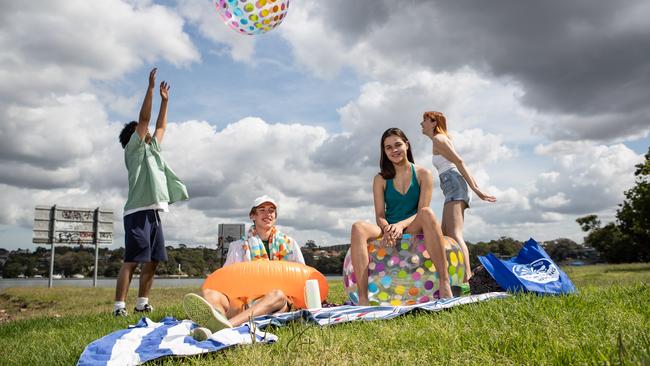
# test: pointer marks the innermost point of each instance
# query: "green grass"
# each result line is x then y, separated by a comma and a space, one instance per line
607, 322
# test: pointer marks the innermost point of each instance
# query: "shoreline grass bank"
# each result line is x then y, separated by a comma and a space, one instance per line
607, 322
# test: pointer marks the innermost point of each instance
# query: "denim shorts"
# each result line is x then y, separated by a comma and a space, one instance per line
454, 186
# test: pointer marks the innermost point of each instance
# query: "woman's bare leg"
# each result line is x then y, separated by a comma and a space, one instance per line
453, 219
362, 232
425, 222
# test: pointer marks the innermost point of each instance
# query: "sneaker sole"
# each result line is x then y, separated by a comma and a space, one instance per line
202, 313
120, 315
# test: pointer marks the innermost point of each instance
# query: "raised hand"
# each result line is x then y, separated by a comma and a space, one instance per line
145, 110
164, 90
152, 78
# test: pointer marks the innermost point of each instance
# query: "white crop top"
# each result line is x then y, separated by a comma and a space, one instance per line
441, 163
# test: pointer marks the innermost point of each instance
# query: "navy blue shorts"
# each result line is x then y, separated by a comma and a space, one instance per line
143, 237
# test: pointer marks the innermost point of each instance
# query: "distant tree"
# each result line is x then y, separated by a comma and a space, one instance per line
30, 264
12, 269
612, 245
308, 255
310, 244
502, 247
110, 269
563, 249
330, 265
74, 262
588, 223
212, 260
627, 240
195, 262
19, 262
61, 249
634, 214
110, 262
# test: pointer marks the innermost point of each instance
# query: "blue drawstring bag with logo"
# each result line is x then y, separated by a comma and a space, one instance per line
532, 270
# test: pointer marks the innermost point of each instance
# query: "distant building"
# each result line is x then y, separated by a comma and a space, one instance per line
227, 234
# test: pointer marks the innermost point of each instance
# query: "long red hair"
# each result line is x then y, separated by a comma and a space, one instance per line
441, 126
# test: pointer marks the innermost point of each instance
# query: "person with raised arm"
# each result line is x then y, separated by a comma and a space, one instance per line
153, 185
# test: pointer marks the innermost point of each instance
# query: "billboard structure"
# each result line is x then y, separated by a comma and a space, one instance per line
227, 234
73, 226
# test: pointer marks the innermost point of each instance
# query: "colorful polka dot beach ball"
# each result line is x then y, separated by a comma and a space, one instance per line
404, 274
252, 16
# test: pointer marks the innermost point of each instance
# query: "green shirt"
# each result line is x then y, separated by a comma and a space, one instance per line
151, 180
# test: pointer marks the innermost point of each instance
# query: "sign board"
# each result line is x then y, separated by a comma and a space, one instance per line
72, 226
230, 232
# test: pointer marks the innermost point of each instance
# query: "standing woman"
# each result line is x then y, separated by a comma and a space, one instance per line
454, 179
402, 194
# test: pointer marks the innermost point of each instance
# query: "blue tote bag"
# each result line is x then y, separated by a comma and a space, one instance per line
531, 270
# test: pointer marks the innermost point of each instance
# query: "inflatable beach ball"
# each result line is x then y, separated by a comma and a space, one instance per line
403, 274
252, 16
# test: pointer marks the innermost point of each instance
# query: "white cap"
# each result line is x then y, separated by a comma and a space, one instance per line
259, 200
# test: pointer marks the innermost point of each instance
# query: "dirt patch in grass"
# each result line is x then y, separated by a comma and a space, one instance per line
15, 307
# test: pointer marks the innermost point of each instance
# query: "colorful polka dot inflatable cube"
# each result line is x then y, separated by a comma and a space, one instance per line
403, 274
252, 16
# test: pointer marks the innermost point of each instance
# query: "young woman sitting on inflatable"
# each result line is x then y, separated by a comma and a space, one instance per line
263, 241
402, 194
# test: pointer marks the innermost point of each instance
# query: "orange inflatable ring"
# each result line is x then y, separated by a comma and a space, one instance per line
251, 280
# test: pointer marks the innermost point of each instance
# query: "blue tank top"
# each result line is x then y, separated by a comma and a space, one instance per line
401, 206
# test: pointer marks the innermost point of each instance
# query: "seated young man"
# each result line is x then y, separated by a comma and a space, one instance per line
214, 310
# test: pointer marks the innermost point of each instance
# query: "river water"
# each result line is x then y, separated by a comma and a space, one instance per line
109, 282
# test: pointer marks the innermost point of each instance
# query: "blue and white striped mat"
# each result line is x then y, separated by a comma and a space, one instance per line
149, 340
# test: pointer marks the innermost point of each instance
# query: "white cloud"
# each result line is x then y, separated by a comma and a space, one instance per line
554, 201
587, 177
60, 47
315, 45
577, 96
203, 15
54, 134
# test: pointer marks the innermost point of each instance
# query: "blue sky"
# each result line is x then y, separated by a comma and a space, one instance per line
222, 91
549, 112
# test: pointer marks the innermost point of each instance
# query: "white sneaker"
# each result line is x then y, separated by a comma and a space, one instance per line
201, 334
202, 313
